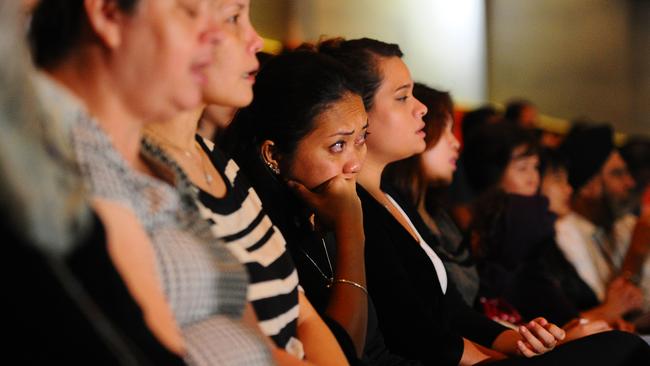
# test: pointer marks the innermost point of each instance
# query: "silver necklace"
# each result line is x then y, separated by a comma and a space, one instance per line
329, 279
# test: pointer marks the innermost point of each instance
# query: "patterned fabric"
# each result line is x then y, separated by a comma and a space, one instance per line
240, 221
238, 346
201, 279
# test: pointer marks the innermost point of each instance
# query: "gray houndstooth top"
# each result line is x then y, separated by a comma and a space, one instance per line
204, 284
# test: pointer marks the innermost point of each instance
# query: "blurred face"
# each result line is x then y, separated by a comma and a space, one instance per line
337, 145
555, 186
232, 73
439, 162
616, 179
396, 125
521, 175
28, 5
162, 55
528, 117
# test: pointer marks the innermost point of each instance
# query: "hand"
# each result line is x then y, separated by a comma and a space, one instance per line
623, 325
579, 328
336, 202
538, 337
622, 297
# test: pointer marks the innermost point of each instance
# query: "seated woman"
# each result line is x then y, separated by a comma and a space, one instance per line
420, 312
57, 276
226, 200
423, 178
302, 143
152, 236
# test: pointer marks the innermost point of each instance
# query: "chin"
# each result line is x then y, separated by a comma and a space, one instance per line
418, 148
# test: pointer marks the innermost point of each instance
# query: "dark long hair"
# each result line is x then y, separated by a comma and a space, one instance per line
406, 175
291, 90
57, 26
361, 56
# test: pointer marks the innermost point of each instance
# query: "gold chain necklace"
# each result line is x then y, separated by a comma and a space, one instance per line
188, 154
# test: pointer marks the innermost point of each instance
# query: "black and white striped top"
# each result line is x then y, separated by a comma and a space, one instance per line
239, 220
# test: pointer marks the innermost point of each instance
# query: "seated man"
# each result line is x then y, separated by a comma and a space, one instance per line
596, 234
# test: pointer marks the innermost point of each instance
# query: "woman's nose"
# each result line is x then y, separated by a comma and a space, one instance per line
353, 166
421, 109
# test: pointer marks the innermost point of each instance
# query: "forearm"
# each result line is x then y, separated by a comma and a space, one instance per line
348, 304
320, 346
472, 355
506, 342
600, 312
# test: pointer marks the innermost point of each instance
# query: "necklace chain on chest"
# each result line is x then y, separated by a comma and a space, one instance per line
188, 154
328, 279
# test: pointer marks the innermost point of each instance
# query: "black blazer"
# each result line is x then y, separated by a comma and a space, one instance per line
418, 321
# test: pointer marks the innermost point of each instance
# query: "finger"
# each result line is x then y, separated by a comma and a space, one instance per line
541, 321
624, 326
542, 334
527, 352
556, 331
574, 322
535, 343
302, 191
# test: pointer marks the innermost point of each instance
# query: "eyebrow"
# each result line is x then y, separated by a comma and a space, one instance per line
342, 133
405, 86
348, 133
240, 5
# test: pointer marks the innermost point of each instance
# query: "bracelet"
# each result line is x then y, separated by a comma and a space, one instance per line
348, 282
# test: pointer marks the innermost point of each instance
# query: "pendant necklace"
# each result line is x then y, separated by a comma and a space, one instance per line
328, 279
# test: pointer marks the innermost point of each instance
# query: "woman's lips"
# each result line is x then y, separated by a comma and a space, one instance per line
199, 70
250, 75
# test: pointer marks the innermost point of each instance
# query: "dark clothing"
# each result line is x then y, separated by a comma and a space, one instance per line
453, 250
290, 215
73, 310
418, 321
602, 349
522, 263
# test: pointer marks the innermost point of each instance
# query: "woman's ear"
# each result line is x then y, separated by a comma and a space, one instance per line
270, 156
104, 18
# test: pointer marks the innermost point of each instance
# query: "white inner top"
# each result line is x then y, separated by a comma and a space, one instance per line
437, 262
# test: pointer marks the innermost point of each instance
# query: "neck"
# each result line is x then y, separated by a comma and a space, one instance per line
206, 129
370, 178
594, 211
179, 132
94, 87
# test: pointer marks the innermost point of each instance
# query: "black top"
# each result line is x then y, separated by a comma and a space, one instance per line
73, 310
290, 215
418, 321
454, 251
523, 264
